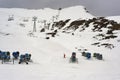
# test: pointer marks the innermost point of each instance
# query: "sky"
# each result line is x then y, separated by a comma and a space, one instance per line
95, 7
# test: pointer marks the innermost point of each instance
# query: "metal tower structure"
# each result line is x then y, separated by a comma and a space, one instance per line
34, 26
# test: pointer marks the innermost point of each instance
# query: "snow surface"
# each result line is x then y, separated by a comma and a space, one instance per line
115, 18
47, 55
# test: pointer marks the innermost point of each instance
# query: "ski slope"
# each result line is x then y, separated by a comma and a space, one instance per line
49, 64
47, 55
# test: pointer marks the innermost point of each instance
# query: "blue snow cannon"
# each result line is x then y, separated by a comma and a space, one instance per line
23, 59
27, 56
15, 54
5, 56
88, 55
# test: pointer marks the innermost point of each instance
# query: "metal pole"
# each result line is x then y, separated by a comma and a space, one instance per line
34, 26
59, 13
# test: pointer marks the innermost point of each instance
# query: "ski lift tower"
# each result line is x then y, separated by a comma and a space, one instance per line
59, 13
34, 26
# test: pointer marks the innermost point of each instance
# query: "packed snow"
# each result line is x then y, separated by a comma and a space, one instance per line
47, 55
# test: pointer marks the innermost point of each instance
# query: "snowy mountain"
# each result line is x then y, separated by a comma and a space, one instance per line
60, 32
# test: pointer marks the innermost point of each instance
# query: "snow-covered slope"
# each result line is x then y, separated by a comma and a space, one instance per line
115, 18
47, 13
47, 54
75, 12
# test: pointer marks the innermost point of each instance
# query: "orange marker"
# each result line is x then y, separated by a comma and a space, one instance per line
64, 56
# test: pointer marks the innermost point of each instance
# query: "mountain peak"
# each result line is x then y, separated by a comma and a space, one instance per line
75, 12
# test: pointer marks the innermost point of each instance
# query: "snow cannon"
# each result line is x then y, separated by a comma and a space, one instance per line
73, 54
27, 57
84, 54
95, 55
98, 56
73, 58
88, 55
5, 56
15, 54
22, 59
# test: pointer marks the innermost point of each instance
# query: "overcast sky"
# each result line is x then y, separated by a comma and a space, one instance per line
96, 7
